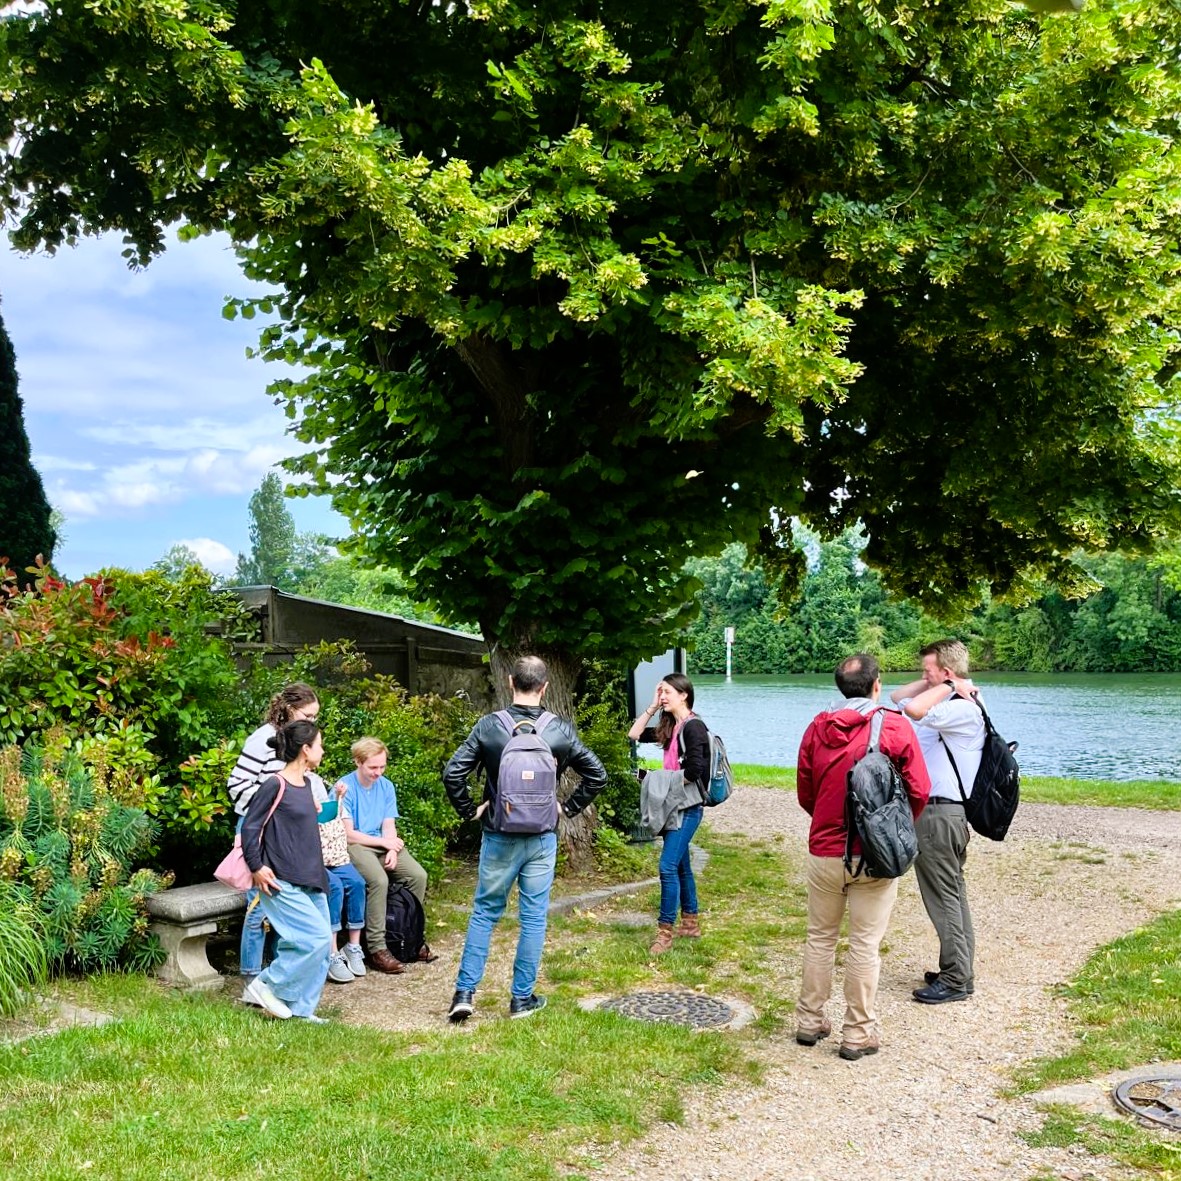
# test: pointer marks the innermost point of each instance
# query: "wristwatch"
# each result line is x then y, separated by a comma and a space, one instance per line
950, 685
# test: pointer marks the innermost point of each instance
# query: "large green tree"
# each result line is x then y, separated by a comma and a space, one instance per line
585, 289
26, 531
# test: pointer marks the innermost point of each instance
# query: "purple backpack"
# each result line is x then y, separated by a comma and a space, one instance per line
527, 786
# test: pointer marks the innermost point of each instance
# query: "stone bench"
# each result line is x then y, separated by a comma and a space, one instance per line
183, 919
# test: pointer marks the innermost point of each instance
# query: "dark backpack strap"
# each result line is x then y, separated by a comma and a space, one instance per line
958, 781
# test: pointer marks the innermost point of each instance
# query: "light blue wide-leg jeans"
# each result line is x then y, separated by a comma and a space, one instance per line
300, 967
528, 861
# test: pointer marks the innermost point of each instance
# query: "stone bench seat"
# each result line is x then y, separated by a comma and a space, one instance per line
183, 919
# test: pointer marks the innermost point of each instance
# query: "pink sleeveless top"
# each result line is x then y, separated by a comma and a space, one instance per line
672, 752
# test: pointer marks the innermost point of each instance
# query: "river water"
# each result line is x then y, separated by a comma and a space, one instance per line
1077, 725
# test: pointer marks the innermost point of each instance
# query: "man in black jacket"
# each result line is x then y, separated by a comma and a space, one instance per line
527, 859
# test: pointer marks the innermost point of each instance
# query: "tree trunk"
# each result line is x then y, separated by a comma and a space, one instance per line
575, 837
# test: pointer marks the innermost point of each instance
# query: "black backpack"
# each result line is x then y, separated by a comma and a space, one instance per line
405, 925
996, 790
877, 812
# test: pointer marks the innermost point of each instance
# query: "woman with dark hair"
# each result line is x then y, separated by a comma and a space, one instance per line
257, 762
281, 845
685, 740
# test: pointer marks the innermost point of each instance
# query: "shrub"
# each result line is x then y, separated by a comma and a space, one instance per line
127, 665
68, 847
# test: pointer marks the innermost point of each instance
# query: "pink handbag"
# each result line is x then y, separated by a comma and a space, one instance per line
233, 870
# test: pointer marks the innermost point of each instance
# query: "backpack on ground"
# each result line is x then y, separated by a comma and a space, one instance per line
405, 924
527, 785
877, 812
719, 781
996, 790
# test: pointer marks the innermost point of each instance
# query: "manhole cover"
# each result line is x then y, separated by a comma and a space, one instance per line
1156, 1099
678, 1008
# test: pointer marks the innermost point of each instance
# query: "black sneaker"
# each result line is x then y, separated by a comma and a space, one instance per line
932, 977
461, 1006
523, 1006
939, 994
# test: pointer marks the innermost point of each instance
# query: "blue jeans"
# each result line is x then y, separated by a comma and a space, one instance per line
529, 862
300, 967
252, 948
346, 896
677, 884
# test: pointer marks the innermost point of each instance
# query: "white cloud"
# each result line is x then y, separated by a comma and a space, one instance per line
59, 463
212, 554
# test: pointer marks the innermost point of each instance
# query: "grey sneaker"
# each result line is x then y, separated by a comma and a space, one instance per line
259, 993
339, 971
355, 958
525, 1006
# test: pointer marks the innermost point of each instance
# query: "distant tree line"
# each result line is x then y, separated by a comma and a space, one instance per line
1130, 623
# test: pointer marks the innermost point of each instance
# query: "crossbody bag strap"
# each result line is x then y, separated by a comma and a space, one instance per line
955, 770
271, 812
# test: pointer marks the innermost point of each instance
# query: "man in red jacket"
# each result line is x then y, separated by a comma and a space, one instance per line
833, 742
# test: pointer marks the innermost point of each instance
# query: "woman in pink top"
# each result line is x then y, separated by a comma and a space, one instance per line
685, 739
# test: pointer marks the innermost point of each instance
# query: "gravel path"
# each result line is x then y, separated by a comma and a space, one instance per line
1067, 880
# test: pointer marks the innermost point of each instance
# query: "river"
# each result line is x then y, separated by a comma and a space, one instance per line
1077, 725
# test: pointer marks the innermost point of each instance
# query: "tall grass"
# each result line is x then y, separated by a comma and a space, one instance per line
23, 963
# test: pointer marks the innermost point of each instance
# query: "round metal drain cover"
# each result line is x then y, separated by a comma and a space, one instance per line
677, 1008
1156, 1099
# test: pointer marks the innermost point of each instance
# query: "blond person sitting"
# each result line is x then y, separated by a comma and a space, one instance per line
369, 809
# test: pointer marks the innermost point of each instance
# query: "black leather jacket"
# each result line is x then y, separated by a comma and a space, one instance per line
483, 746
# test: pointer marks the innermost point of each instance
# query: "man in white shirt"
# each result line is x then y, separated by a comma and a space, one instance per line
946, 718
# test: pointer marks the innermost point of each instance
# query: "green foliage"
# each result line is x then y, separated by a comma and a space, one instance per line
26, 531
579, 299
603, 726
278, 555
127, 665
23, 963
1130, 622
69, 845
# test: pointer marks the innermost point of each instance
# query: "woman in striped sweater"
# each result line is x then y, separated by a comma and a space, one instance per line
257, 762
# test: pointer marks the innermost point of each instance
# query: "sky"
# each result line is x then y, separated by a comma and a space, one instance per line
148, 424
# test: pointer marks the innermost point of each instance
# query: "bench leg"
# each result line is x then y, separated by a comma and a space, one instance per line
187, 966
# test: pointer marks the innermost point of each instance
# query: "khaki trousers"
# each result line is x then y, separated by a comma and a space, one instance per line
408, 873
869, 901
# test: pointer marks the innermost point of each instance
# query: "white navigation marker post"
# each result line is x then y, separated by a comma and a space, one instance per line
729, 651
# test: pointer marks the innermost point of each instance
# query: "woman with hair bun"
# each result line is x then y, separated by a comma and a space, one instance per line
281, 845
257, 762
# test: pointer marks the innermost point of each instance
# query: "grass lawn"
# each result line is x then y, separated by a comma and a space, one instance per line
1157, 794
196, 1087
1124, 1004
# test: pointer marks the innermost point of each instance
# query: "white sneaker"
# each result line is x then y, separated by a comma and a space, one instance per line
258, 992
355, 958
312, 1019
339, 971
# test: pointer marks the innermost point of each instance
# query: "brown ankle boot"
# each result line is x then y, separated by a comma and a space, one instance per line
690, 928
664, 939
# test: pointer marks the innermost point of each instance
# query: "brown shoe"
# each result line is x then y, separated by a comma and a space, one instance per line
425, 955
690, 928
853, 1053
664, 939
384, 962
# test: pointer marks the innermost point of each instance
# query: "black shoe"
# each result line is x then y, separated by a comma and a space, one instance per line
523, 1006
939, 994
931, 977
461, 1006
